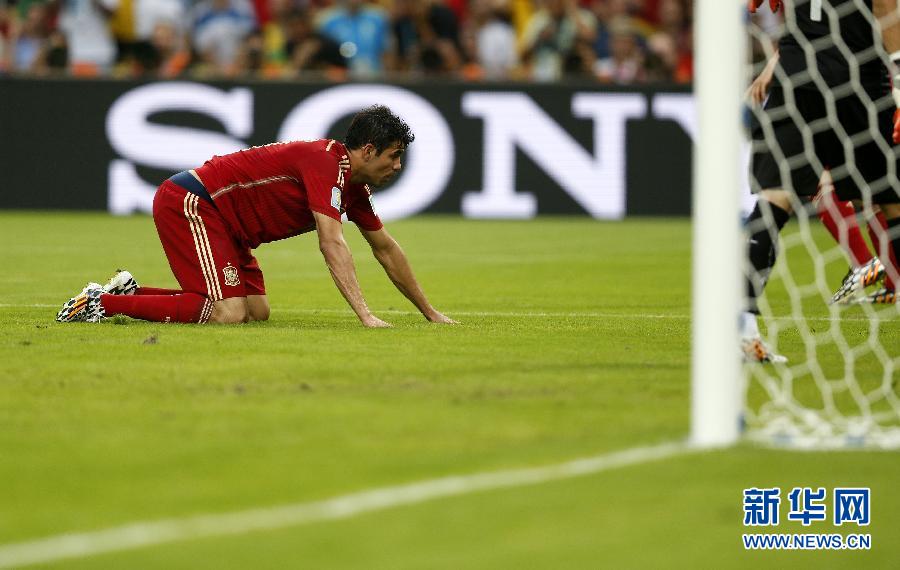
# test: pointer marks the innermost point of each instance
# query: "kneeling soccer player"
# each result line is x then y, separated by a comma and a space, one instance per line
209, 220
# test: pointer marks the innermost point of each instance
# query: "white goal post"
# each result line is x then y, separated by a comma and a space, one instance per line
716, 385
841, 385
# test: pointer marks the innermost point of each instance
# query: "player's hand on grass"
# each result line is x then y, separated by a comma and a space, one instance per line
440, 318
374, 322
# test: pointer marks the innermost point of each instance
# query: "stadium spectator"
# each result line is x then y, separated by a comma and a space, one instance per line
133, 24
552, 35
85, 23
441, 36
608, 11
522, 11
6, 33
251, 55
273, 25
362, 31
604, 11
5, 40
673, 42
426, 37
495, 38
460, 8
625, 64
647, 10
170, 55
219, 28
404, 15
30, 40
309, 50
56, 54
661, 60
471, 39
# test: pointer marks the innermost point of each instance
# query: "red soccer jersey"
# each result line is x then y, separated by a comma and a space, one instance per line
270, 192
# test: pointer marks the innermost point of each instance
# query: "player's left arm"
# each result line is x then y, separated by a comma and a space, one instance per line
759, 89
391, 256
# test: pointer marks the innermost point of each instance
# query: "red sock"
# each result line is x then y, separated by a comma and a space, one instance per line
878, 228
157, 291
181, 308
840, 219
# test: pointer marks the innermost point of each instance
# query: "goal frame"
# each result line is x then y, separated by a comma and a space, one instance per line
716, 382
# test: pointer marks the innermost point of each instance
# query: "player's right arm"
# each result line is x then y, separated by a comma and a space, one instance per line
340, 263
887, 12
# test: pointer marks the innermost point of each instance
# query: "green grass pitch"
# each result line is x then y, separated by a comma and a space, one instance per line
575, 341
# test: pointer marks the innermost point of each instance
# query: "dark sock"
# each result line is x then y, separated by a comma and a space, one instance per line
182, 308
763, 236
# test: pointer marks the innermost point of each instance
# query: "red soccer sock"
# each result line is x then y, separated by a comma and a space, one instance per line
157, 291
181, 308
840, 219
878, 228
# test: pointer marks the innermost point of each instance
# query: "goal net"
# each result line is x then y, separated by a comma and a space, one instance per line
839, 387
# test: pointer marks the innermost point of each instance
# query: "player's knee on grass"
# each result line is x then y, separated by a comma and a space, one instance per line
258, 307
230, 311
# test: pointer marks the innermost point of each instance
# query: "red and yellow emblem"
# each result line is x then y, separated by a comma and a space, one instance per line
231, 275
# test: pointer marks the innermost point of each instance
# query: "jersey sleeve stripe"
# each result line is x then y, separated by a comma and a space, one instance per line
251, 184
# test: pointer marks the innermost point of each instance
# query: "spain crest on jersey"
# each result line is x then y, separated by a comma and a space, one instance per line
231, 275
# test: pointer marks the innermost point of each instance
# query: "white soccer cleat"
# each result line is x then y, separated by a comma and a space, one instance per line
84, 307
880, 297
122, 283
857, 280
755, 350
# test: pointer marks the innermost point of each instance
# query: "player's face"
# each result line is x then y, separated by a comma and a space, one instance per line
382, 167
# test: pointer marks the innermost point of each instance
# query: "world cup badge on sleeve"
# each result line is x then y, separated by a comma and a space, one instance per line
231, 275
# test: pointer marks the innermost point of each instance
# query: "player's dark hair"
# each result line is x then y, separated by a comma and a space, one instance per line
379, 126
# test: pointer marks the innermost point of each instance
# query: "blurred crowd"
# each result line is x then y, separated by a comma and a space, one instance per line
610, 41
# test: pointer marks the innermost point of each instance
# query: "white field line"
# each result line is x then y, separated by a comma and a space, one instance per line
512, 314
149, 533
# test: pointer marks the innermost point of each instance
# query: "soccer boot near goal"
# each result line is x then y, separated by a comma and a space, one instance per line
858, 279
880, 297
755, 350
